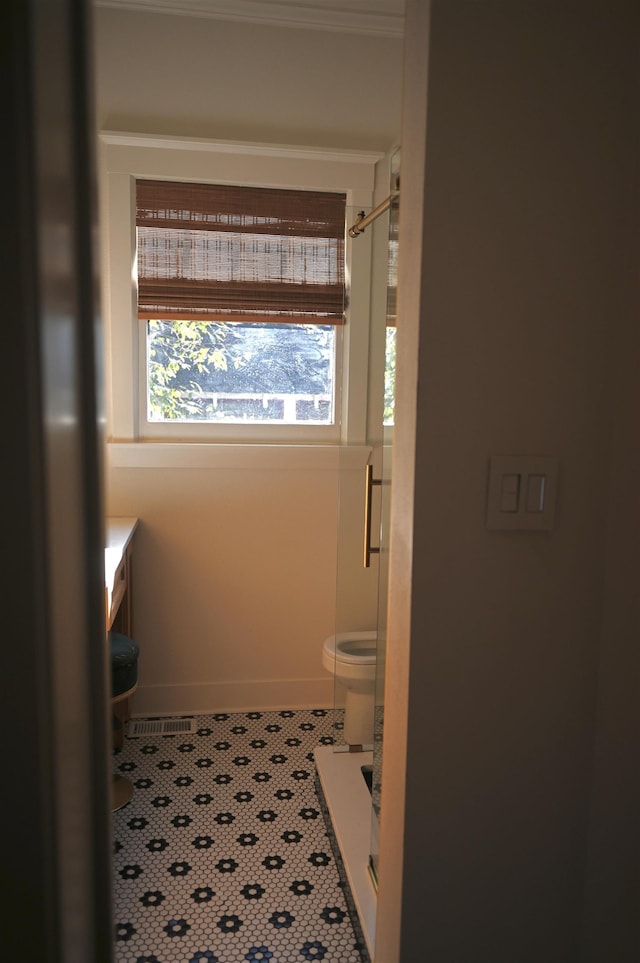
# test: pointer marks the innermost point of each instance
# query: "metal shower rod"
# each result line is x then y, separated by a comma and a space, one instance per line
363, 220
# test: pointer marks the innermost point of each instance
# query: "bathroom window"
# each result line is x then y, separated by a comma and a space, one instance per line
241, 290
235, 311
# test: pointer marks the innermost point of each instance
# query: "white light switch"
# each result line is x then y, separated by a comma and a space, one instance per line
535, 493
521, 493
510, 492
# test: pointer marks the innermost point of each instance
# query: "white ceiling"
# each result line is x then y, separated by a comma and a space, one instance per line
384, 18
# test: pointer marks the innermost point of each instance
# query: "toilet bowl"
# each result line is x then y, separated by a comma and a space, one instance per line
351, 658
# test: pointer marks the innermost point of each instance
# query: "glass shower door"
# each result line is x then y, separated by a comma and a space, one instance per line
384, 455
361, 590
356, 586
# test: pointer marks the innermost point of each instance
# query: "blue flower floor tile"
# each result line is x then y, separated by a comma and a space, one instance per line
222, 855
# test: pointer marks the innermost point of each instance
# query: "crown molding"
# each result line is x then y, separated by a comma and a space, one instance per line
381, 18
120, 138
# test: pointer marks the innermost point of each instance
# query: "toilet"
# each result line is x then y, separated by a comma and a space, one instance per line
351, 658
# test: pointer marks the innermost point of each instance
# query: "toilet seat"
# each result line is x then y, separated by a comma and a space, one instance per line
352, 648
356, 651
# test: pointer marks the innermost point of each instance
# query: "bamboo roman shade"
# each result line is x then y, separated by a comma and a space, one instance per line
209, 252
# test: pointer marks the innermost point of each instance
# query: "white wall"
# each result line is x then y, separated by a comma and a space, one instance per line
236, 563
234, 578
517, 326
212, 78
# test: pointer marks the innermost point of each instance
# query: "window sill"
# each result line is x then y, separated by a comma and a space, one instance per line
236, 456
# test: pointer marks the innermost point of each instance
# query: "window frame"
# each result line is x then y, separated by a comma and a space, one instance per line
126, 157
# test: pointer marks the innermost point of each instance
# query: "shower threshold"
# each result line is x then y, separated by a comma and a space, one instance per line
348, 801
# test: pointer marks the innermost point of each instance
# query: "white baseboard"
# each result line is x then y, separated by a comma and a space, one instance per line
205, 697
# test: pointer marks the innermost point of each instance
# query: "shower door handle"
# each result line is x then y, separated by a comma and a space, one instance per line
370, 481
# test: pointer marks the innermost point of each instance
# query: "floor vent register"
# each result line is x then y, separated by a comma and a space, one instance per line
160, 727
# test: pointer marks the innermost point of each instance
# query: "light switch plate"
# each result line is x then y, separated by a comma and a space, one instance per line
534, 479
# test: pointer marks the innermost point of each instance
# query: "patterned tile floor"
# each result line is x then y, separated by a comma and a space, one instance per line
222, 855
